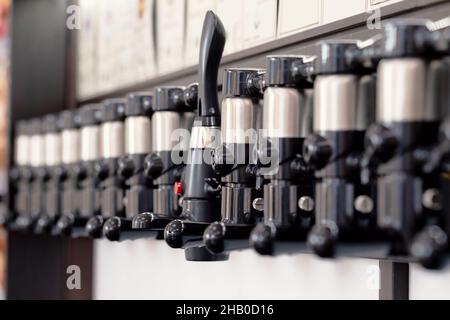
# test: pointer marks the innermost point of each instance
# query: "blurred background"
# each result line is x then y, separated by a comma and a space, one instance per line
58, 54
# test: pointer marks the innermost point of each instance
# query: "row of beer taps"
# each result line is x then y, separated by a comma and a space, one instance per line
346, 152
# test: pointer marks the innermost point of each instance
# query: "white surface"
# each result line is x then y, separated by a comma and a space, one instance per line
429, 285
115, 45
231, 12
261, 21
170, 25
297, 15
148, 269
195, 15
381, 3
336, 10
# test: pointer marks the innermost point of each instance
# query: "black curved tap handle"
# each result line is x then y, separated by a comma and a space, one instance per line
211, 50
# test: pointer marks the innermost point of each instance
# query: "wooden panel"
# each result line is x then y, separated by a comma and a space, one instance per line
42, 81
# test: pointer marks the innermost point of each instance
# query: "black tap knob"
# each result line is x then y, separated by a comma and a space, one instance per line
154, 166
299, 166
262, 238
101, 170
429, 246
322, 239
61, 173
80, 172
317, 151
222, 161
213, 186
214, 237
381, 143
380, 146
439, 154
173, 234
191, 96
94, 227
126, 168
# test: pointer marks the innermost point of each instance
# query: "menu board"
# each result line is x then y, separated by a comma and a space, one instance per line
115, 45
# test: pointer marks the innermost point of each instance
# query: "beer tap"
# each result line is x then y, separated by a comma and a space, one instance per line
71, 157
38, 175
20, 177
53, 164
399, 145
430, 244
201, 185
139, 186
283, 176
173, 117
111, 183
344, 104
82, 196
235, 161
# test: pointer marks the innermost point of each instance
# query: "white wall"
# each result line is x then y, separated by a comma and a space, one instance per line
148, 269
429, 285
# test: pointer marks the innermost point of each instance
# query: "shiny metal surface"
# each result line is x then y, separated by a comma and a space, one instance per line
187, 121
164, 127
402, 88
239, 120
113, 140
138, 135
91, 143
285, 113
336, 103
37, 147
205, 138
53, 151
22, 150
71, 146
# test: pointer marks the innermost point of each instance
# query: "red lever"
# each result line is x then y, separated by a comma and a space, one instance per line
178, 189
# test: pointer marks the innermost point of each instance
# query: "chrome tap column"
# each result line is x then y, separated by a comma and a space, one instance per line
172, 121
287, 183
201, 186
71, 157
138, 142
112, 184
20, 177
344, 104
235, 161
408, 120
53, 163
74, 220
38, 172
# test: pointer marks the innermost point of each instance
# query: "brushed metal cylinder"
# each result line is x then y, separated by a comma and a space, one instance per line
187, 120
71, 146
239, 117
205, 138
165, 123
91, 144
113, 140
402, 91
336, 103
53, 151
138, 139
37, 147
284, 113
22, 150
